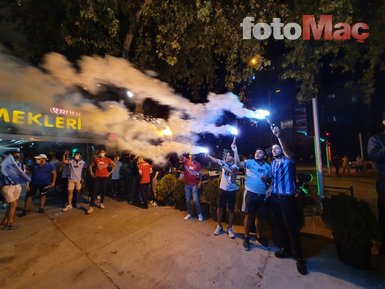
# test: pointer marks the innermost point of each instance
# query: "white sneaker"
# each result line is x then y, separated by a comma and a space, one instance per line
154, 204
188, 216
230, 232
218, 230
200, 217
102, 206
68, 207
90, 210
98, 197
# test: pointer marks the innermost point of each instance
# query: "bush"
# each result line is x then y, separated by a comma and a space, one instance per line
178, 191
211, 192
350, 220
165, 187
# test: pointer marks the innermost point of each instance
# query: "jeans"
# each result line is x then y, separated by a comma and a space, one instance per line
194, 189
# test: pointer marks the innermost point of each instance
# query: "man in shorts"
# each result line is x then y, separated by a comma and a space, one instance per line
43, 178
228, 189
12, 176
76, 167
258, 175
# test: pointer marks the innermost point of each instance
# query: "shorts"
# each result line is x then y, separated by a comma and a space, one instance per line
74, 184
255, 204
11, 193
227, 198
34, 188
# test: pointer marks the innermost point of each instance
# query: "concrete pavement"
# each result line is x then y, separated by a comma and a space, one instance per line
125, 246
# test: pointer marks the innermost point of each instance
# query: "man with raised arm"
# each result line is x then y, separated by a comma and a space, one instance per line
228, 189
286, 219
258, 175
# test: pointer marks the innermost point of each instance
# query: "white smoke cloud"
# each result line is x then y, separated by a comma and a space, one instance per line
24, 83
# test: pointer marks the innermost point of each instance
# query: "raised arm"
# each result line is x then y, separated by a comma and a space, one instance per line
65, 160
217, 161
236, 156
285, 149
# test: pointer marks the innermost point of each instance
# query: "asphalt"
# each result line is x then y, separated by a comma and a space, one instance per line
125, 246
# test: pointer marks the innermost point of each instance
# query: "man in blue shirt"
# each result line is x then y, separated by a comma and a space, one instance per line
286, 216
43, 177
258, 174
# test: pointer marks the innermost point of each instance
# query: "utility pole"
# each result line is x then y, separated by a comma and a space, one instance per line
317, 148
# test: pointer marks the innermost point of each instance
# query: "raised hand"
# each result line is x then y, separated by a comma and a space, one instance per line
275, 130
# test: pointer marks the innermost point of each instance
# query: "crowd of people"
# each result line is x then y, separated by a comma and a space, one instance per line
137, 178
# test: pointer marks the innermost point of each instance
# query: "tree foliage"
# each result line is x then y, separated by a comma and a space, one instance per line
355, 64
74, 28
197, 45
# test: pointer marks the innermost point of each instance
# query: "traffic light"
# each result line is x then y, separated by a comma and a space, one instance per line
327, 134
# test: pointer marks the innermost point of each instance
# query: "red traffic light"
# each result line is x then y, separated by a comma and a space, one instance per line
327, 134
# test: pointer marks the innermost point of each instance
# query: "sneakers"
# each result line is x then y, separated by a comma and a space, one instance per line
98, 197
218, 230
90, 210
246, 244
24, 213
68, 207
200, 217
153, 204
282, 253
264, 243
230, 232
301, 266
188, 217
102, 206
41, 210
11, 227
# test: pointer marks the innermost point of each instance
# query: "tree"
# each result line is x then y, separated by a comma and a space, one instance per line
74, 28
198, 44
316, 63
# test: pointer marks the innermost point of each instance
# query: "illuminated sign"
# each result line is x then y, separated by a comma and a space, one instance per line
20, 117
63, 111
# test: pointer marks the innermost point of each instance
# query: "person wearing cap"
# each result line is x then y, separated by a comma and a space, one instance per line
99, 172
376, 152
12, 175
258, 175
43, 178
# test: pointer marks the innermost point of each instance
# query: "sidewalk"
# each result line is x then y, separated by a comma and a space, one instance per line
127, 247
